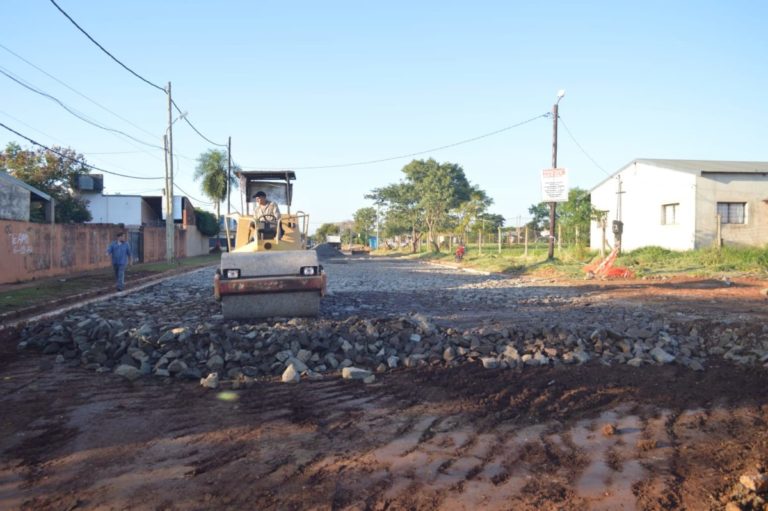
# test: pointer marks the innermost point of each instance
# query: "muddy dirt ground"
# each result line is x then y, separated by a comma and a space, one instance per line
466, 438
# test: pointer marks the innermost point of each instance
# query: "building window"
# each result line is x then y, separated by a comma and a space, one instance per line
732, 212
669, 214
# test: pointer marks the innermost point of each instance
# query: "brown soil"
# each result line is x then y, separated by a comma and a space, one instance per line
463, 438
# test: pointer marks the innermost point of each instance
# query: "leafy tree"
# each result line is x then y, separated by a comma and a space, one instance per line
365, 222
439, 187
324, 230
575, 215
468, 212
206, 222
491, 222
51, 173
212, 169
402, 214
540, 218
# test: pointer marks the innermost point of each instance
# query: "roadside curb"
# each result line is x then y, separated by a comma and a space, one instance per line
14, 319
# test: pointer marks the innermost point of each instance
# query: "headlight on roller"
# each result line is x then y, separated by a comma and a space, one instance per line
308, 271
232, 274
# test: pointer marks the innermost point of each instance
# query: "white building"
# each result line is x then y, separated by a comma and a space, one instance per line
675, 204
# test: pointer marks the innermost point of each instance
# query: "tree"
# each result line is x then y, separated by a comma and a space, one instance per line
206, 223
402, 215
324, 230
52, 173
575, 216
439, 187
540, 218
365, 222
468, 212
212, 168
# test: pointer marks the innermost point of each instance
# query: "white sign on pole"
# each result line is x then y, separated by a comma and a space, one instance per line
554, 185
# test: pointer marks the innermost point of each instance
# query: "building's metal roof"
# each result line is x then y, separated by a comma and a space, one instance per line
267, 175
709, 165
18, 182
697, 167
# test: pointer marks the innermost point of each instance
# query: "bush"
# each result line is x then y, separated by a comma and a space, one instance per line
206, 223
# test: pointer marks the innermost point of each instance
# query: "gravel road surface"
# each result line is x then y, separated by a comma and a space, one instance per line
506, 393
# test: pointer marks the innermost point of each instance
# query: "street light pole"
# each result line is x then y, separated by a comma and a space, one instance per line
553, 204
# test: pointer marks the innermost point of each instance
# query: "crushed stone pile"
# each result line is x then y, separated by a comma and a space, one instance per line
326, 251
239, 353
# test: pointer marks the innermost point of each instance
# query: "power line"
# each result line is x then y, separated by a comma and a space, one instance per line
133, 73
76, 91
191, 197
186, 119
70, 158
104, 50
74, 112
86, 153
409, 155
579, 146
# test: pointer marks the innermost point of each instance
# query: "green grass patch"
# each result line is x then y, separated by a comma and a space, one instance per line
570, 262
29, 294
204, 260
50, 289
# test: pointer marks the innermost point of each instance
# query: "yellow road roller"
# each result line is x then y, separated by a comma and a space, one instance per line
267, 270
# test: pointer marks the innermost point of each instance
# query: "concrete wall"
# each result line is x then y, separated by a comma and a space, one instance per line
196, 243
751, 189
115, 209
14, 202
645, 190
154, 244
31, 251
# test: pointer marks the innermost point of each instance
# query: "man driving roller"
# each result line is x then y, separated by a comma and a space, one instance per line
266, 211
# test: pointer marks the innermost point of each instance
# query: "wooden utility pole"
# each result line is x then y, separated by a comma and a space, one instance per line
170, 254
229, 173
553, 204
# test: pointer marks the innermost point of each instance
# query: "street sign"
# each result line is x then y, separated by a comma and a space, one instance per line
554, 185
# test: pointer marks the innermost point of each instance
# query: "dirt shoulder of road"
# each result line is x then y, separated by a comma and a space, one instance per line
26, 299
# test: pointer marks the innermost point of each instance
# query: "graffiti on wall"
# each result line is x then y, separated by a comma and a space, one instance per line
20, 243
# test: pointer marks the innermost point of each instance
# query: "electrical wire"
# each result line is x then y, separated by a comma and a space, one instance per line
104, 50
134, 73
191, 197
560, 118
76, 91
409, 155
61, 142
73, 111
88, 165
186, 119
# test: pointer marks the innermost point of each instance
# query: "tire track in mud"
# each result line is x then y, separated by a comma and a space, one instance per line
367, 446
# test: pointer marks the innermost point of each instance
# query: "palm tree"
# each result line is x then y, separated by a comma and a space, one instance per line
212, 168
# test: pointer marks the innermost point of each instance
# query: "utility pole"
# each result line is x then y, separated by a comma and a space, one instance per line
170, 254
553, 204
229, 171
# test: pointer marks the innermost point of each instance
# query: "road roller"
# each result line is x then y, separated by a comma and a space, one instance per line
267, 270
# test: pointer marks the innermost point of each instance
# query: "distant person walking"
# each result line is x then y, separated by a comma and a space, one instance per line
460, 250
120, 251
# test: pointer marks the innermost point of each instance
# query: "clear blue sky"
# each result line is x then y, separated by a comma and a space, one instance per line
305, 84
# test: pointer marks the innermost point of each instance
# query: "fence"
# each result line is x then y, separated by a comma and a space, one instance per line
31, 251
